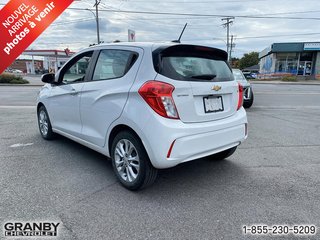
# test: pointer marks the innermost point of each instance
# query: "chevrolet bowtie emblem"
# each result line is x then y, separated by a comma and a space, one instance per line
216, 88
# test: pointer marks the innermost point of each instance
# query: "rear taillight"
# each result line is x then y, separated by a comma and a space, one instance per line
158, 95
240, 96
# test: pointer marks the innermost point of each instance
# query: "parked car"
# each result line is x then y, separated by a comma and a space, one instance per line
17, 71
146, 106
250, 75
247, 88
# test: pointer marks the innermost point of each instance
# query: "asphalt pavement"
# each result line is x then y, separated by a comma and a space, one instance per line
272, 179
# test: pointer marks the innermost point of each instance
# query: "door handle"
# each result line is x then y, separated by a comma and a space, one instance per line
73, 92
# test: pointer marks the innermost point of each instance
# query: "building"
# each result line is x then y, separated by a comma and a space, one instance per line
301, 58
52, 59
41, 61
25, 65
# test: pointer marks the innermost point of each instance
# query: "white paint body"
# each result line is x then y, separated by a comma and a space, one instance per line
87, 113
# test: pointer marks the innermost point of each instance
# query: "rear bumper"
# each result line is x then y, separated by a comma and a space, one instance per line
193, 140
204, 144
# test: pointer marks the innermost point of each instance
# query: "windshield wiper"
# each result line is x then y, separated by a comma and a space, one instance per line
204, 76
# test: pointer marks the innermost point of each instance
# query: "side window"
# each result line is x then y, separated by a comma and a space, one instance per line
113, 64
77, 71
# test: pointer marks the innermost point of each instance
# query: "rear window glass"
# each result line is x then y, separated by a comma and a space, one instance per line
191, 63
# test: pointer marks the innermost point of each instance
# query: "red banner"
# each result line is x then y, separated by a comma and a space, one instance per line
21, 22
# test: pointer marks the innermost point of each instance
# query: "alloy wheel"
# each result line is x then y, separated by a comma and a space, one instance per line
43, 123
127, 160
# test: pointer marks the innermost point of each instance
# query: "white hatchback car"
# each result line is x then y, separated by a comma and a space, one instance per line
146, 106
247, 88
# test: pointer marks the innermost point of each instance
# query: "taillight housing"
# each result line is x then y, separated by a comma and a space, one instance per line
158, 95
240, 96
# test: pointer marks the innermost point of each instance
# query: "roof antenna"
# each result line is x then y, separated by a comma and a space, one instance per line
178, 41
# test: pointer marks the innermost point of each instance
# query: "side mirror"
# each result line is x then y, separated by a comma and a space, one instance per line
48, 78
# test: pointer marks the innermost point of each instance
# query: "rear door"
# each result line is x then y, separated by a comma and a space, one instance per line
205, 89
104, 96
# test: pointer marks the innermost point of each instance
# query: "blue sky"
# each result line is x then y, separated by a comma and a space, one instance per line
76, 29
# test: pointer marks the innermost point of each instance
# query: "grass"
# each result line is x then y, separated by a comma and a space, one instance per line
289, 79
12, 79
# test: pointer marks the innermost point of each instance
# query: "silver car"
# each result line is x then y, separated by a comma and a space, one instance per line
247, 89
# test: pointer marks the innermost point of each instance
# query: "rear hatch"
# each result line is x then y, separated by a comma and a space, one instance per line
205, 89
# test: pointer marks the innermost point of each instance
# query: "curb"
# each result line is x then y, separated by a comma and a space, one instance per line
20, 85
312, 83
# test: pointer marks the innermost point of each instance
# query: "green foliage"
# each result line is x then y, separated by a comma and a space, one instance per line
289, 78
249, 59
12, 79
235, 62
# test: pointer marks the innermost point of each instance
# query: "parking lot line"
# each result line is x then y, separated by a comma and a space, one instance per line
287, 93
287, 107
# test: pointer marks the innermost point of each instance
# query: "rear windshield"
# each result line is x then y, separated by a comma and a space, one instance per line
193, 63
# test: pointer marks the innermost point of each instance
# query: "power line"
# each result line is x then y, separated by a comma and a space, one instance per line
257, 37
202, 15
261, 16
46, 43
72, 21
251, 37
218, 1
159, 20
281, 35
282, 13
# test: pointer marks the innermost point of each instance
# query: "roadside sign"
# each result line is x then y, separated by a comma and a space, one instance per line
131, 35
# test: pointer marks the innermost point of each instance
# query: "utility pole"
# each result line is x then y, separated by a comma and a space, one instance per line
227, 25
97, 19
232, 45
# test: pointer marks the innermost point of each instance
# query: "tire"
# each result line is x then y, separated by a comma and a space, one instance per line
131, 163
223, 155
248, 104
44, 124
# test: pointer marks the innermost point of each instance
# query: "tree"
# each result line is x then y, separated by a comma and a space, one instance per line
249, 59
235, 62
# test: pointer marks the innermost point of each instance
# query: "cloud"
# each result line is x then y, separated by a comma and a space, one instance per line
77, 29
88, 26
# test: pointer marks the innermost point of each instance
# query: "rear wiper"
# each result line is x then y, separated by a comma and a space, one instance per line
204, 76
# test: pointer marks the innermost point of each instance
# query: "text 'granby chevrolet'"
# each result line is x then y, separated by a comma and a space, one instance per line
28, 229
